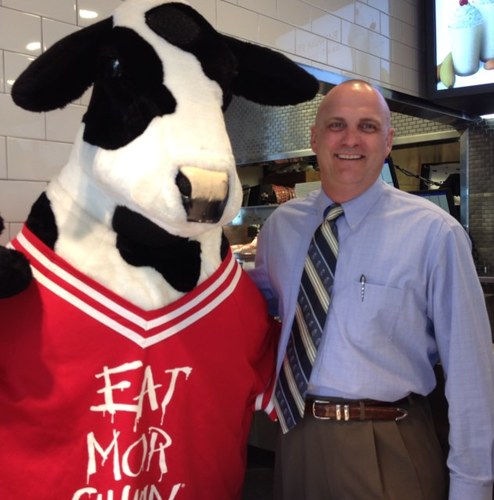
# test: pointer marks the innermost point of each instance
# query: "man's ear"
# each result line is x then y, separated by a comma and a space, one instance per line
389, 140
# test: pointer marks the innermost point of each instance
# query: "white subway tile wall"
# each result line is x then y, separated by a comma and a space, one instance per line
90, 11
13, 194
20, 31
277, 35
295, 13
55, 30
2, 73
264, 7
3, 158
237, 21
367, 17
14, 64
63, 124
207, 8
63, 10
377, 40
50, 158
16, 122
326, 25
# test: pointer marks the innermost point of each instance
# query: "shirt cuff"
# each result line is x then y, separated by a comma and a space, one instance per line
461, 490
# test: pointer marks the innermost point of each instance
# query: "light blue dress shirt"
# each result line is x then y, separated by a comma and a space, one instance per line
421, 303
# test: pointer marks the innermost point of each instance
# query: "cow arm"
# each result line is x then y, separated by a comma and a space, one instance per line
15, 272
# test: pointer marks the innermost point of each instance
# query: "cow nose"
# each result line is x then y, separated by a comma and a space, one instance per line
204, 193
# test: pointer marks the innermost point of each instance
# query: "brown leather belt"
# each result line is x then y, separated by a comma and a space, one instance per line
344, 411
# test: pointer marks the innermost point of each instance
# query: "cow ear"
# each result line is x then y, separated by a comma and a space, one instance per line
268, 77
62, 73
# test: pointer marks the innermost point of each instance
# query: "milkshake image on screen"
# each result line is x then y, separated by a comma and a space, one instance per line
465, 32
486, 8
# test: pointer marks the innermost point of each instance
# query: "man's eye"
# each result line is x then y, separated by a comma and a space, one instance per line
368, 127
335, 126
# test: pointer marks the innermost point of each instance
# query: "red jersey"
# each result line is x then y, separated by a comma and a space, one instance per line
102, 400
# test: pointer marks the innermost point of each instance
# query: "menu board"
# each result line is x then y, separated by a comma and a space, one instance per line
464, 41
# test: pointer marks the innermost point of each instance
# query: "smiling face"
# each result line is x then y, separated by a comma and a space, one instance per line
351, 138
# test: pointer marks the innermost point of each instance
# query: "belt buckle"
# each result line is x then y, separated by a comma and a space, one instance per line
318, 401
338, 407
404, 414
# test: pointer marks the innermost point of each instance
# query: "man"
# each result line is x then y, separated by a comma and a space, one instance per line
404, 297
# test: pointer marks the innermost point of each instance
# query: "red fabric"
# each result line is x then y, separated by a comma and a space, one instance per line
98, 396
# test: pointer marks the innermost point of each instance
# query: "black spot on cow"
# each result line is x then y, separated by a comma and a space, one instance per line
125, 98
185, 28
143, 243
41, 221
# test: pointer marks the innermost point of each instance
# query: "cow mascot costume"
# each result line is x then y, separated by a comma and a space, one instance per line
133, 348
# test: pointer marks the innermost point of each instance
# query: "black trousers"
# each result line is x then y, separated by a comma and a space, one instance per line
368, 460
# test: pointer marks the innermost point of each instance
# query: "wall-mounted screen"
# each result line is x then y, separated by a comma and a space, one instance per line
461, 54
440, 197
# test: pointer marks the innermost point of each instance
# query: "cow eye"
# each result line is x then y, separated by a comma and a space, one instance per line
109, 67
116, 69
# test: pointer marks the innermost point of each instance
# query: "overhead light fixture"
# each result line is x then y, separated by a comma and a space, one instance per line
487, 117
87, 14
33, 46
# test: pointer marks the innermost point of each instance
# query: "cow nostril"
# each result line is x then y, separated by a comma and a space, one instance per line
204, 193
183, 184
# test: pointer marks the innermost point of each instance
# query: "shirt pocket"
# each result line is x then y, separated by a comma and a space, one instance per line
367, 317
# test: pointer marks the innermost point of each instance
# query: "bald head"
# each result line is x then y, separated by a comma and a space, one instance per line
356, 91
351, 137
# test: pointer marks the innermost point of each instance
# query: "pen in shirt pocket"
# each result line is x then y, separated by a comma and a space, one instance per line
362, 287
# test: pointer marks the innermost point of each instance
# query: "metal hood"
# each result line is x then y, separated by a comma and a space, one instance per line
266, 133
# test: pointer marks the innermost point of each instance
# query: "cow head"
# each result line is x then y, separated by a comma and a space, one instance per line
151, 173
153, 138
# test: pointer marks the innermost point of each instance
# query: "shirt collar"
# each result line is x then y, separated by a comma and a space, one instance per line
355, 209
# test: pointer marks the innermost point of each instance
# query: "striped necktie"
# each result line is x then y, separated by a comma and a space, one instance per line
310, 316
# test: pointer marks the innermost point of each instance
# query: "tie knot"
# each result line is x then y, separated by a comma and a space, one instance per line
334, 211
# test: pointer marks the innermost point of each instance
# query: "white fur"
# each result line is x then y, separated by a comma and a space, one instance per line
141, 176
